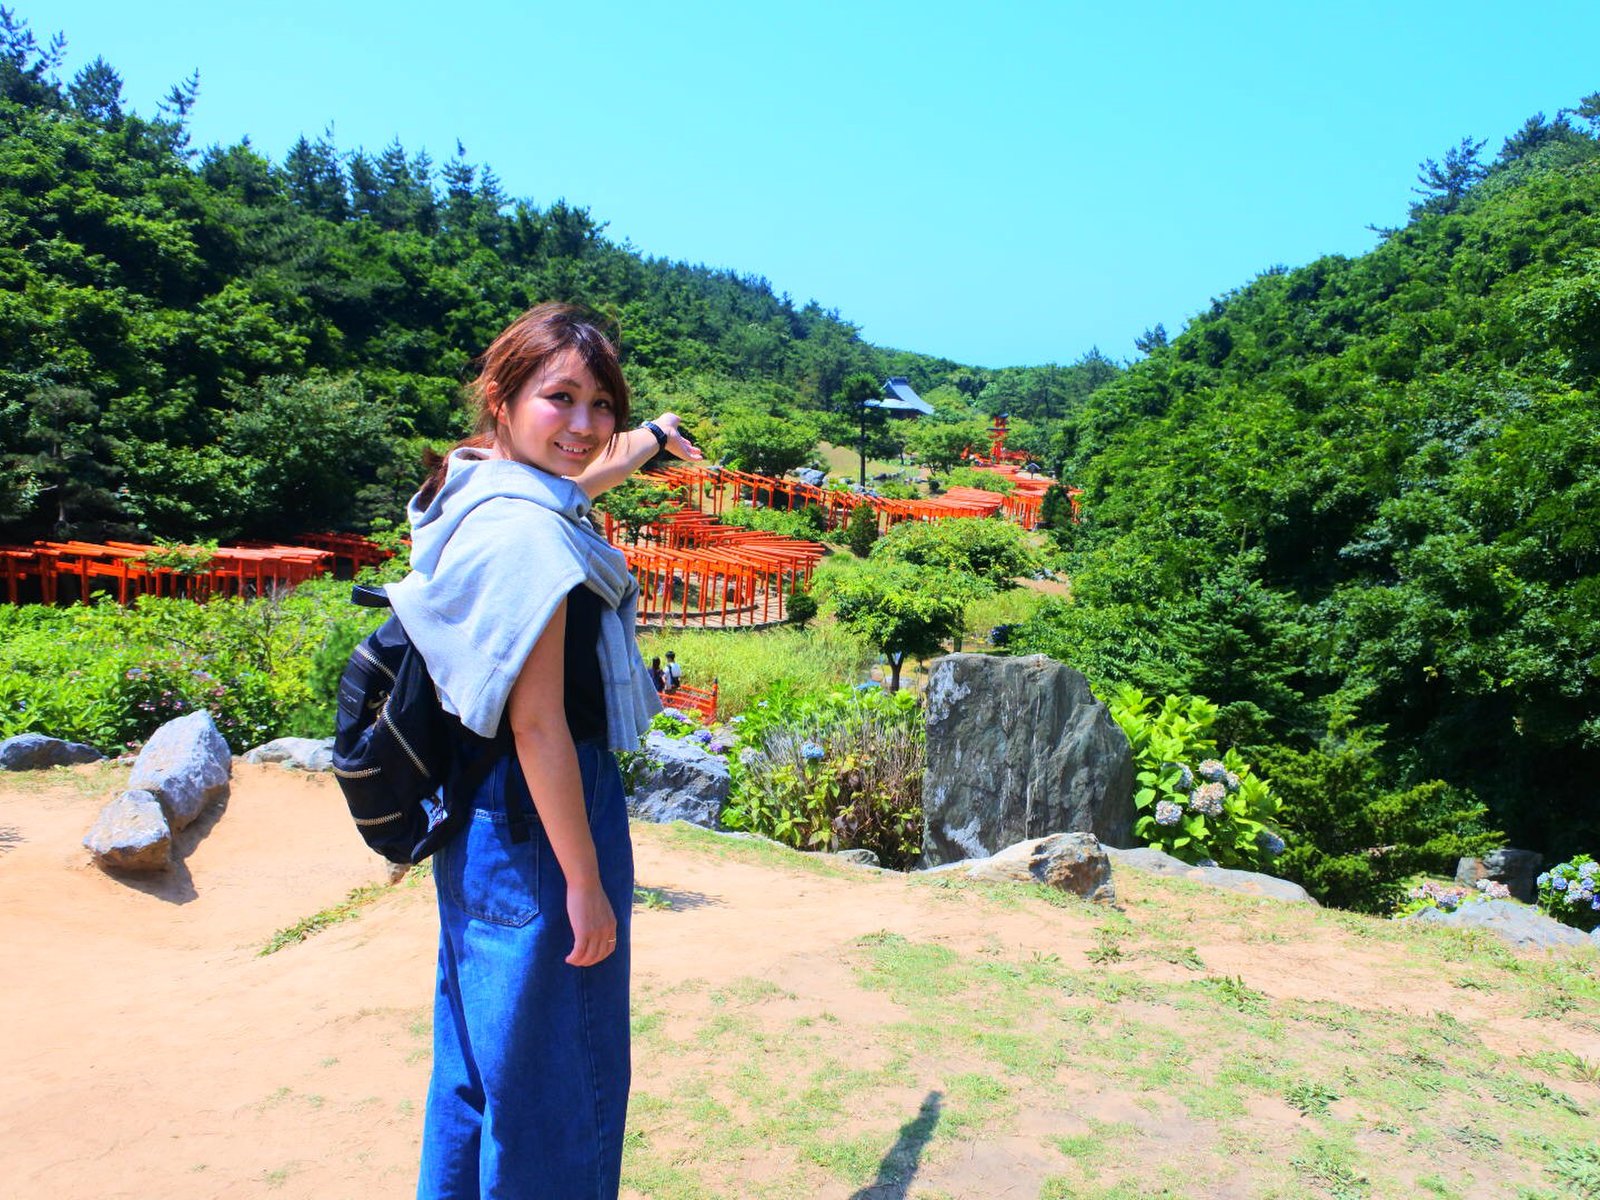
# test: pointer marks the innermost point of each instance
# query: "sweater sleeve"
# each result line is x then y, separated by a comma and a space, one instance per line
476, 616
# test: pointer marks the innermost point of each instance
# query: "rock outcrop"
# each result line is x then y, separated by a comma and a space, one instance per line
1250, 883
1019, 748
303, 754
186, 765
131, 834
36, 752
1517, 869
677, 779
1522, 926
1070, 862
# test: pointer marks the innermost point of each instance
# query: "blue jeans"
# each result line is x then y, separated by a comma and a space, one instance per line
530, 1056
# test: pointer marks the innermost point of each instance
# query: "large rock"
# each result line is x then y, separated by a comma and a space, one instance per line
1250, 883
304, 754
35, 752
186, 765
1517, 869
1019, 748
678, 779
1071, 862
131, 834
1518, 924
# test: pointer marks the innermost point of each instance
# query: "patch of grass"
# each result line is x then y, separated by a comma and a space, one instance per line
745, 663
651, 900
1576, 1167
1233, 991
1327, 1166
347, 909
755, 851
1309, 1098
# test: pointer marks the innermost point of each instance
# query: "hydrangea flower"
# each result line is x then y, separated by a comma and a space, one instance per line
1544, 878
1185, 780
1167, 813
1272, 844
1493, 890
1207, 798
1231, 782
1559, 882
703, 736
812, 752
1213, 771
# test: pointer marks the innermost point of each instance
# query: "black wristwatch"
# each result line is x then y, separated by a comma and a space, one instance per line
660, 435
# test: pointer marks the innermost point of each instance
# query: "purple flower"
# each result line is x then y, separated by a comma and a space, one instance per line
1207, 798
1167, 813
1271, 843
1213, 771
1185, 780
1231, 782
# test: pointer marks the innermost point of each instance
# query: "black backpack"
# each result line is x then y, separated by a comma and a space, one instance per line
398, 756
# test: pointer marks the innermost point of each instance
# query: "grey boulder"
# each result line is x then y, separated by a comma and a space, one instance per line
1250, 883
303, 754
131, 834
1522, 926
186, 765
1019, 748
1517, 869
677, 779
1070, 862
36, 752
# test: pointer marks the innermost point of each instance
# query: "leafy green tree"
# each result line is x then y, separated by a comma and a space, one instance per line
993, 550
766, 445
901, 610
637, 503
1445, 185
941, 446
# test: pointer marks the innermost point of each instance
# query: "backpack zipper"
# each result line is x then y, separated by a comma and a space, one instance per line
383, 718
372, 658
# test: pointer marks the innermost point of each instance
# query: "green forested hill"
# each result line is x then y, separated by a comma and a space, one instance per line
1359, 503
202, 343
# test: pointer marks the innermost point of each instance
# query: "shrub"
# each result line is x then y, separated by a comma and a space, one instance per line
1570, 892
861, 530
1187, 801
997, 551
985, 481
838, 771
801, 607
1449, 897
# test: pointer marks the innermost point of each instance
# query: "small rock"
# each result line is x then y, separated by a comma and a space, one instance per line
131, 834
301, 754
1251, 883
678, 780
865, 858
186, 764
36, 752
1522, 926
1072, 862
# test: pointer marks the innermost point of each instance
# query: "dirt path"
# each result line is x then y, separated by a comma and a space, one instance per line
153, 1053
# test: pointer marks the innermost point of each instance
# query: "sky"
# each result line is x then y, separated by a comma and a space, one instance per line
1003, 184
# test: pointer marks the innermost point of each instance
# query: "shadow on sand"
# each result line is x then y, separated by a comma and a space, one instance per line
899, 1166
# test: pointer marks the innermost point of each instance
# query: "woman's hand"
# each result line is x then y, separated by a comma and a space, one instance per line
677, 445
594, 925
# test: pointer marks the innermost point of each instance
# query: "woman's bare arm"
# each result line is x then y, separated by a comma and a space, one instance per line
537, 714
631, 450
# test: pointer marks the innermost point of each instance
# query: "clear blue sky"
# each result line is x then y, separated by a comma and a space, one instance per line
1002, 184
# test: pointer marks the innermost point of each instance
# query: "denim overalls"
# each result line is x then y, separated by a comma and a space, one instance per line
530, 1056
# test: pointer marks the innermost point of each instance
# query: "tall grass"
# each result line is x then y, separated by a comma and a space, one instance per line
747, 663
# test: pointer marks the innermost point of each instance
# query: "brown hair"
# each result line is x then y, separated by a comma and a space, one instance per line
518, 354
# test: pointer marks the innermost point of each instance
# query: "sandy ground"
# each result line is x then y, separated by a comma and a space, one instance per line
152, 1052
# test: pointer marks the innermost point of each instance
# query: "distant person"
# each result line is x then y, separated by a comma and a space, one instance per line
525, 617
657, 675
674, 672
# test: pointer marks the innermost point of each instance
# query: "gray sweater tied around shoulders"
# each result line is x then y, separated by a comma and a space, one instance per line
493, 555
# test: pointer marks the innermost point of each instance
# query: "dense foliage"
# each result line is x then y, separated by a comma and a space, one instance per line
841, 770
1358, 505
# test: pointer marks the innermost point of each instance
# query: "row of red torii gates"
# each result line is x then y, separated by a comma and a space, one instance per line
691, 568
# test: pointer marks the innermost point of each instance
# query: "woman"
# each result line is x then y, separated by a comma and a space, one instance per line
657, 676
526, 619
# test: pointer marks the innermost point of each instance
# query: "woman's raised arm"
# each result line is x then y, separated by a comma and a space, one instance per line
631, 450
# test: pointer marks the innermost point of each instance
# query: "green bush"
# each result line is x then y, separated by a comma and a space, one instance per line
997, 551
838, 771
1354, 842
800, 609
861, 530
985, 481
109, 676
1188, 802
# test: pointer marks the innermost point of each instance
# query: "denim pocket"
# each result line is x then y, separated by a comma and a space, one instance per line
488, 876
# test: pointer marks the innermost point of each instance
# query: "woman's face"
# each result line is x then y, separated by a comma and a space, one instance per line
559, 420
